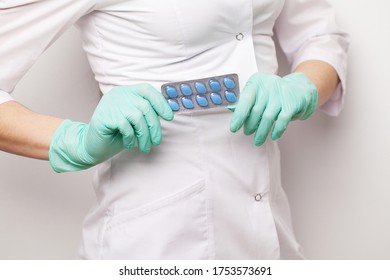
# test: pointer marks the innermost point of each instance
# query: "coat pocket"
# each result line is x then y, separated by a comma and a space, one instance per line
173, 227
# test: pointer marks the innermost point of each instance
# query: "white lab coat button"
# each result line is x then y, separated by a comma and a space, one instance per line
258, 197
239, 36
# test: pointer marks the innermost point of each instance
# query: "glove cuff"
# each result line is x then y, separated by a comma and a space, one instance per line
311, 94
62, 154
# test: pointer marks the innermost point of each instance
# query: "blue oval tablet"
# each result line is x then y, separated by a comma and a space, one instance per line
187, 103
173, 104
200, 87
202, 100
216, 98
229, 83
186, 89
215, 85
171, 91
230, 96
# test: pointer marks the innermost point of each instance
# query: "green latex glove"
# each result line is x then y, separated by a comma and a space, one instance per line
271, 101
124, 114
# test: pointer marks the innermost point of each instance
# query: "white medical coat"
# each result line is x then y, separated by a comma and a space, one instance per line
204, 193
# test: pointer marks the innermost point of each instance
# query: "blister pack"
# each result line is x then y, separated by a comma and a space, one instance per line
203, 93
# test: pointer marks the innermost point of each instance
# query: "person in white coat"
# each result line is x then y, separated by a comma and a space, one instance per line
183, 186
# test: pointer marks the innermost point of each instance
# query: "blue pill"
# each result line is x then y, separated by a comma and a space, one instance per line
173, 104
171, 91
202, 100
186, 89
200, 87
216, 98
187, 103
229, 83
215, 85
230, 96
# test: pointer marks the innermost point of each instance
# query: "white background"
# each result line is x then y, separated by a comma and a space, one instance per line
336, 171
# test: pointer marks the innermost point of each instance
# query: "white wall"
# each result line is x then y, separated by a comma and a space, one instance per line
40, 211
335, 170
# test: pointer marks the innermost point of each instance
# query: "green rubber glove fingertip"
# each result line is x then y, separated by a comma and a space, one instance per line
231, 107
145, 151
275, 136
259, 143
169, 116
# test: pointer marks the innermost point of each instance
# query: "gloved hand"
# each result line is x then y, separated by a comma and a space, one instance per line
269, 100
122, 115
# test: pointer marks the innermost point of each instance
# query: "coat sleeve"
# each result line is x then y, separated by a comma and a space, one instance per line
307, 30
27, 29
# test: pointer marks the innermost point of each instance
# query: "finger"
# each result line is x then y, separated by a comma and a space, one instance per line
127, 133
244, 106
270, 114
281, 125
136, 118
152, 121
156, 99
253, 121
231, 108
